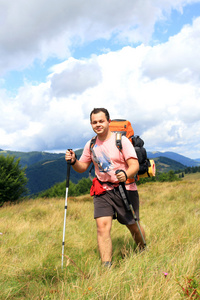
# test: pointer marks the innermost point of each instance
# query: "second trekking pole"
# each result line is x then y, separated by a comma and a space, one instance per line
129, 206
65, 213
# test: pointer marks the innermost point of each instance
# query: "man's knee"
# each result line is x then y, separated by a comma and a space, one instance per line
104, 225
133, 229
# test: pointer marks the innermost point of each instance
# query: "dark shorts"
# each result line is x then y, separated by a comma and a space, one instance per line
111, 204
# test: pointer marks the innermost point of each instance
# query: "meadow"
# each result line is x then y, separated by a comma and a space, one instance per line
31, 248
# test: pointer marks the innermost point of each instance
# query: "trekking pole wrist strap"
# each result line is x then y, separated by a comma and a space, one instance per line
73, 163
124, 174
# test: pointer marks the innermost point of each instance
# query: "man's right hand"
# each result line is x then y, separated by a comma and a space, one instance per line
77, 165
70, 155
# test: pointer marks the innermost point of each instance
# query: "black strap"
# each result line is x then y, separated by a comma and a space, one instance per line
92, 143
124, 196
74, 161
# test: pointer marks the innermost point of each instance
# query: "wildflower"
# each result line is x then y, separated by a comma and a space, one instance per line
165, 274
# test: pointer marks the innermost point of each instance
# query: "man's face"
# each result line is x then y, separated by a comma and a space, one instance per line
99, 123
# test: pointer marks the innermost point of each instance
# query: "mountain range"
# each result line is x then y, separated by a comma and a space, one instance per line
44, 169
177, 157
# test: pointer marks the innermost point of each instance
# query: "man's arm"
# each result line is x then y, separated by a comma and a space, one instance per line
77, 165
133, 167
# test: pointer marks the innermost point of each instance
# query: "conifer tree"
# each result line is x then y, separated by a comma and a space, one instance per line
12, 179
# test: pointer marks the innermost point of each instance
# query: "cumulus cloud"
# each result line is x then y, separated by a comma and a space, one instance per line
155, 87
181, 56
37, 29
163, 111
76, 77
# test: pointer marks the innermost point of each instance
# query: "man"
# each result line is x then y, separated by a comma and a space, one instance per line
107, 160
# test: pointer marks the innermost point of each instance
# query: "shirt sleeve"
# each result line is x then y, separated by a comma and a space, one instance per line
128, 149
86, 155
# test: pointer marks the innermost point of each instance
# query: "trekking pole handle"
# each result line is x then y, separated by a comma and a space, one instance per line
118, 171
69, 160
68, 170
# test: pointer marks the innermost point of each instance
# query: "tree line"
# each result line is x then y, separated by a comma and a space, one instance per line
13, 181
84, 185
59, 189
189, 170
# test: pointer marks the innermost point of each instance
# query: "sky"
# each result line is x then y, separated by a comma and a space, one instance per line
60, 58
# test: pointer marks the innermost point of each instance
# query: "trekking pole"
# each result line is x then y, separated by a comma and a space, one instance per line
129, 206
65, 213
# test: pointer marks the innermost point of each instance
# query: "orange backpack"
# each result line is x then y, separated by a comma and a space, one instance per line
124, 127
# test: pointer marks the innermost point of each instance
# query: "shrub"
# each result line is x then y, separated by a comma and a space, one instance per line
59, 189
12, 179
169, 177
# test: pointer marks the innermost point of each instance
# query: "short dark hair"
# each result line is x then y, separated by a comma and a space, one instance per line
98, 110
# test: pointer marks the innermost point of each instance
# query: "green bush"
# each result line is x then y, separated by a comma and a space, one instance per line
59, 189
169, 177
81, 188
161, 177
12, 179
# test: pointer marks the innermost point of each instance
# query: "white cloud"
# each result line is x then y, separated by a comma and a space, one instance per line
37, 29
76, 78
177, 59
156, 88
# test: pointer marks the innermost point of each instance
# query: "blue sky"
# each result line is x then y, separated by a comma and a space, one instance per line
60, 59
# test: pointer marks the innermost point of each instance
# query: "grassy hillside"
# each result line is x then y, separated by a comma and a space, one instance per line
31, 242
164, 164
43, 175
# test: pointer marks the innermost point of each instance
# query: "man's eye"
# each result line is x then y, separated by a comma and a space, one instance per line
95, 122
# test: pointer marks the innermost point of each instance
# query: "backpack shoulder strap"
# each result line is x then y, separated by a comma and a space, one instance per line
119, 146
118, 141
93, 142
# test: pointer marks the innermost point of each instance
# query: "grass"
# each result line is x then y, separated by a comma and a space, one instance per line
31, 247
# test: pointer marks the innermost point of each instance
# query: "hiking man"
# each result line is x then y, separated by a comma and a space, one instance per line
107, 160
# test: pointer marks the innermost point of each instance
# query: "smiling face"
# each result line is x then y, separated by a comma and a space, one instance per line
100, 125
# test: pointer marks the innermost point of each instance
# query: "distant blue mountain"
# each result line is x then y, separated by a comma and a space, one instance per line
177, 157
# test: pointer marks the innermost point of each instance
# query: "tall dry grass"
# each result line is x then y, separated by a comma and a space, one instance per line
31, 247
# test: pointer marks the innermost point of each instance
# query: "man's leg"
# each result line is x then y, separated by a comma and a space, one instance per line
104, 225
136, 234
